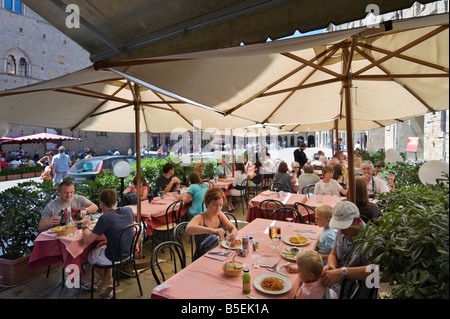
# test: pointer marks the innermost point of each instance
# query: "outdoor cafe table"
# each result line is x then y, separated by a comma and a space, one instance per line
288, 200
205, 279
153, 214
318, 200
50, 248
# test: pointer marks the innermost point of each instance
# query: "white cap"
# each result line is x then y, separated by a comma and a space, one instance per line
344, 213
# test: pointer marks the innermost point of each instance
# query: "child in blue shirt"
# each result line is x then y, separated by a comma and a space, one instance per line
326, 240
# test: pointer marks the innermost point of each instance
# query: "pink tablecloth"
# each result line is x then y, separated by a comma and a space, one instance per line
153, 214
50, 248
317, 200
288, 200
205, 279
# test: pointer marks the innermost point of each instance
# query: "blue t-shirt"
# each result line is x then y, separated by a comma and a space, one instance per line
112, 221
198, 195
326, 241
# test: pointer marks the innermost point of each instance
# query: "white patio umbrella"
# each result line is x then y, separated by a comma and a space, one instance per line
365, 74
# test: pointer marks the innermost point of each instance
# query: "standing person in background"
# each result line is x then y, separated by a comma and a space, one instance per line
61, 163
300, 155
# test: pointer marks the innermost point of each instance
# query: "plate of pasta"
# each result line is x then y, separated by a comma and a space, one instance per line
296, 240
272, 284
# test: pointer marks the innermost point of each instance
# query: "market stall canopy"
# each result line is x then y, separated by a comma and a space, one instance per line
93, 100
395, 75
118, 30
37, 138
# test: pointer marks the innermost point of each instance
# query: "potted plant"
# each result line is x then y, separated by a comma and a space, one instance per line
411, 241
20, 212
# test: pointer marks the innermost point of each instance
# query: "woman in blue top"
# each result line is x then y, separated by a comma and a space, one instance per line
195, 194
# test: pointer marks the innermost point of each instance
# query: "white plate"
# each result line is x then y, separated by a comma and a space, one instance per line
285, 280
288, 256
224, 245
286, 240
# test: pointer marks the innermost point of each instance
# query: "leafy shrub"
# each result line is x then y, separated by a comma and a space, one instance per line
410, 243
20, 213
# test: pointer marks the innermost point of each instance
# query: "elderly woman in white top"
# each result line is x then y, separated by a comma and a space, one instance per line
375, 185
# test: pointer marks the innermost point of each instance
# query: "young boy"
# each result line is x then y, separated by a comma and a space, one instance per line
310, 268
326, 240
328, 186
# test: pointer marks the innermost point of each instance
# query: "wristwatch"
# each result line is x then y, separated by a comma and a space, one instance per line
344, 272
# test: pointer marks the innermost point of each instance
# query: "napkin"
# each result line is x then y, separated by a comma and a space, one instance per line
218, 257
287, 198
268, 261
158, 202
266, 193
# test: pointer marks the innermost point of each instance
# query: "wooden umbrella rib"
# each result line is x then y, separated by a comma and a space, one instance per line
404, 86
311, 64
100, 97
111, 110
407, 58
158, 107
305, 86
333, 48
403, 48
174, 109
97, 108
302, 82
382, 77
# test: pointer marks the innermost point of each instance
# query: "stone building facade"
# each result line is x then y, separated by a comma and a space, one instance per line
432, 129
31, 51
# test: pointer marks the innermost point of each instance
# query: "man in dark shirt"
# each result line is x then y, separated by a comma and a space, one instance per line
166, 182
300, 156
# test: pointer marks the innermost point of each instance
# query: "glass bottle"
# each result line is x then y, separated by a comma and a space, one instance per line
246, 282
70, 225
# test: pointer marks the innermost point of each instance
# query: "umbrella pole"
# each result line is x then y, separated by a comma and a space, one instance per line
347, 84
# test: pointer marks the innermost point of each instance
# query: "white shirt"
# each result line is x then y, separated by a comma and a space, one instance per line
379, 187
331, 188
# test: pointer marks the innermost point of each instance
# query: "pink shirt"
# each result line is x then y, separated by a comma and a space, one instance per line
311, 290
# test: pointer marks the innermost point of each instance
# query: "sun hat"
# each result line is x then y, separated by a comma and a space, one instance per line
344, 213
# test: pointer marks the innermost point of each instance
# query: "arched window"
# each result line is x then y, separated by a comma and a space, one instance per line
22, 71
10, 65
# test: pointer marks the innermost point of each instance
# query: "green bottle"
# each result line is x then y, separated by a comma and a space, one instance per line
246, 282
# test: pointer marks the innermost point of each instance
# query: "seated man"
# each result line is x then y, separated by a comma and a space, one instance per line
343, 261
57, 211
308, 178
375, 185
166, 182
112, 220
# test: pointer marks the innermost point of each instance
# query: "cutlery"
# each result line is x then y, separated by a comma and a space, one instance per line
250, 297
277, 272
219, 253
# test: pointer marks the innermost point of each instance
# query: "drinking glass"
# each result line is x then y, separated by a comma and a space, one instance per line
290, 220
255, 258
274, 234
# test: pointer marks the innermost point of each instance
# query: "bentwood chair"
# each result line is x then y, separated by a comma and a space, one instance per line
161, 266
285, 212
266, 212
126, 239
309, 210
179, 232
173, 217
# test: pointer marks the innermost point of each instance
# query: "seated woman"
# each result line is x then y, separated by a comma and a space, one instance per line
283, 180
327, 185
256, 177
130, 194
366, 208
195, 194
198, 169
339, 176
239, 178
211, 221
296, 171
357, 161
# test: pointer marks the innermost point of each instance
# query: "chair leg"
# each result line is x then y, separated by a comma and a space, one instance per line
137, 277
92, 281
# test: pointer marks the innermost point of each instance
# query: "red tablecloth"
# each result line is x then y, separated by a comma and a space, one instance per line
50, 248
205, 279
154, 213
318, 200
288, 200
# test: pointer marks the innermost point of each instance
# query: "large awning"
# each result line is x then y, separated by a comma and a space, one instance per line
118, 30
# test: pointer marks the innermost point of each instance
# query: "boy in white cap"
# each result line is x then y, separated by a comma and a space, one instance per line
344, 262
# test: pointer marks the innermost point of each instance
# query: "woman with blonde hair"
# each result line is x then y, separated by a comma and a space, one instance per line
198, 169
